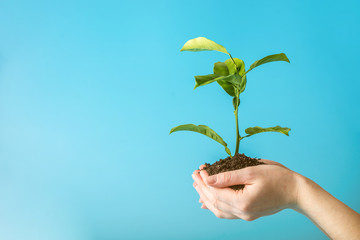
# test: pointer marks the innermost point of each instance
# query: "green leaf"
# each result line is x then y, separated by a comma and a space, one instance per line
228, 87
267, 59
210, 78
221, 69
226, 78
203, 130
242, 81
205, 79
240, 67
254, 130
202, 44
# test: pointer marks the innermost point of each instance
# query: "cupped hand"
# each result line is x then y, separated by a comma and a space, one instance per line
268, 189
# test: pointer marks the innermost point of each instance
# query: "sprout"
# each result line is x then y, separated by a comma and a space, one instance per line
231, 76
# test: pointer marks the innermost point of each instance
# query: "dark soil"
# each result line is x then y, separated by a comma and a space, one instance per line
229, 164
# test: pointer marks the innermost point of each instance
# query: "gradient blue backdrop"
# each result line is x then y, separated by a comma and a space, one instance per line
90, 89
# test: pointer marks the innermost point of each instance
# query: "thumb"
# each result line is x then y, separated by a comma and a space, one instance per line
226, 179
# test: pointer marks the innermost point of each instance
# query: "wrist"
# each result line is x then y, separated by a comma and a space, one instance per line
333, 217
302, 194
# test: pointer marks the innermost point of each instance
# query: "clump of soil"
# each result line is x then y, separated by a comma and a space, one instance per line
238, 161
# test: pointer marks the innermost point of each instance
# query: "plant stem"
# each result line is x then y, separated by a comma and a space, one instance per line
237, 125
233, 62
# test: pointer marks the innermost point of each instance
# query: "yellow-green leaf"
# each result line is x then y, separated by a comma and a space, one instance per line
254, 130
228, 87
202, 80
203, 130
221, 69
210, 78
240, 67
267, 59
242, 81
202, 44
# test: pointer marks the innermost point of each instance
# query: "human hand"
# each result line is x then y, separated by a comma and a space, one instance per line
268, 189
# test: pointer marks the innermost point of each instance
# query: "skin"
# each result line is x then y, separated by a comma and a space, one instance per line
271, 188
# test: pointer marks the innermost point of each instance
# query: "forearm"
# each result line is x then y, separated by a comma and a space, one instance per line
333, 217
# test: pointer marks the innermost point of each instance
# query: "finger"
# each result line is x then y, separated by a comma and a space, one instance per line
272, 163
200, 192
204, 175
200, 200
221, 199
219, 208
203, 206
202, 166
241, 176
226, 195
217, 212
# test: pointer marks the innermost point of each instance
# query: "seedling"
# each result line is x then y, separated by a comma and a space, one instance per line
231, 76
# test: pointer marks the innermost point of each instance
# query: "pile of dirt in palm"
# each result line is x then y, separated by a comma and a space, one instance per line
238, 161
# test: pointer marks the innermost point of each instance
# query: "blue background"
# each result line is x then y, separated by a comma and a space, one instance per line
90, 89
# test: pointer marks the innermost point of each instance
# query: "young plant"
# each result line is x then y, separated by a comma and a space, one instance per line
231, 76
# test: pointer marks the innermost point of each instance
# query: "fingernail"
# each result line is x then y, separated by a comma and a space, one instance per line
194, 177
